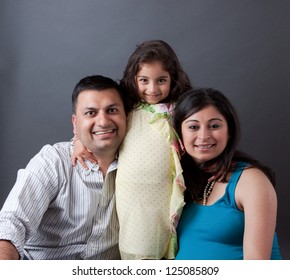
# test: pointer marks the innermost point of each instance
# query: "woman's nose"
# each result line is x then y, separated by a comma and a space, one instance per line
203, 134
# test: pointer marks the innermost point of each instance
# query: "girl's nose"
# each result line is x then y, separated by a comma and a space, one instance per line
152, 88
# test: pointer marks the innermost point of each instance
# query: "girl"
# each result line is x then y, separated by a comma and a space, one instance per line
149, 183
234, 218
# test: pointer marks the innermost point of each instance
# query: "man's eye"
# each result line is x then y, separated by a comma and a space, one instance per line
113, 110
90, 113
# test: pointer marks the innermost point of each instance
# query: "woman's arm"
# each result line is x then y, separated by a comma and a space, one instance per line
256, 196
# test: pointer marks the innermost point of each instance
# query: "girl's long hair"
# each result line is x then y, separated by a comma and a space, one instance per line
151, 51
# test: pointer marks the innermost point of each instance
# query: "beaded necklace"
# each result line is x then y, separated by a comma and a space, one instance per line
207, 191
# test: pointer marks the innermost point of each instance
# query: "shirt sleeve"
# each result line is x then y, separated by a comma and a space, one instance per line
35, 188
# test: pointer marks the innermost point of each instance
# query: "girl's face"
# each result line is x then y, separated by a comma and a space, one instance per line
205, 134
153, 82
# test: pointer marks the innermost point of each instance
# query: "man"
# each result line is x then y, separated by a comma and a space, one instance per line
57, 211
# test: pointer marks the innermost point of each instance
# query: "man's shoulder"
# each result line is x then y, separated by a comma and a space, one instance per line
60, 150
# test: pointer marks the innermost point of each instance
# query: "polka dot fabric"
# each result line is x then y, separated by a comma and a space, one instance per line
149, 186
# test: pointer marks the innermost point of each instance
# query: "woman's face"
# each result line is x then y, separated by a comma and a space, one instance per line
205, 134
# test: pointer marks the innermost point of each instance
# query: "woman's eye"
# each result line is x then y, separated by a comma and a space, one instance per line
194, 127
215, 126
161, 81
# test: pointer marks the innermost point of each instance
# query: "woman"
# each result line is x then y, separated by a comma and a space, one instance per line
230, 218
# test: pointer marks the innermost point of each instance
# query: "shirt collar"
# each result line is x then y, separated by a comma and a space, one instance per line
95, 167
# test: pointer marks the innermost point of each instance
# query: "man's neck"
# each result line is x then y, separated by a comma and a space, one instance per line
104, 163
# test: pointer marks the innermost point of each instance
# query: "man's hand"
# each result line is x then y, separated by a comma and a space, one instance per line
8, 251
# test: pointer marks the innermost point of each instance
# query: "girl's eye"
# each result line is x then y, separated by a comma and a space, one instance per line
143, 80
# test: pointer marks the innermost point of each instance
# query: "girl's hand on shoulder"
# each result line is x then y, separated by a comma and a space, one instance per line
81, 153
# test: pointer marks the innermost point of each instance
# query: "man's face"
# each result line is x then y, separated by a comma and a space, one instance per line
100, 121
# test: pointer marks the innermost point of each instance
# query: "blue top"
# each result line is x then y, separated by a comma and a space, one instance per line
215, 232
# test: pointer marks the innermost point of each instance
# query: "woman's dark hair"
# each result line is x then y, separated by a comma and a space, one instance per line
195, 175
151, 51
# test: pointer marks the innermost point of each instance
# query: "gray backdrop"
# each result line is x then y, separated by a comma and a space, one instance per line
239, 47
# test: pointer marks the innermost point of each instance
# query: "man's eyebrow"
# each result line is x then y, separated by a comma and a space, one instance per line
113, 105
90, 108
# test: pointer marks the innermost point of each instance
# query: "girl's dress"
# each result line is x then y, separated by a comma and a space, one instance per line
149, 185
215, 232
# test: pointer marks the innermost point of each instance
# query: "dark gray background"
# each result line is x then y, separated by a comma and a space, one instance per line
239, 47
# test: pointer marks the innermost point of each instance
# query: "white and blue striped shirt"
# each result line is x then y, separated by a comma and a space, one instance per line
57, 211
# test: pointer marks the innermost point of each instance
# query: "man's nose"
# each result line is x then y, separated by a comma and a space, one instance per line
103, 119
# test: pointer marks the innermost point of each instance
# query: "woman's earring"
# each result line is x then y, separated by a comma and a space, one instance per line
182, 149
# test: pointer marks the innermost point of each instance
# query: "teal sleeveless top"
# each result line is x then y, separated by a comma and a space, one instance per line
215, 232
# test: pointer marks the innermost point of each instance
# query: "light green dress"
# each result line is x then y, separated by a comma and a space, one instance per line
149, 185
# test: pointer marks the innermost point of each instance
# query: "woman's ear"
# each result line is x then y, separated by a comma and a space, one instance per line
182, 149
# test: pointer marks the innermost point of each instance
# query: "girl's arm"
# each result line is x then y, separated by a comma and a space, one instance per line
256, 196
81, 153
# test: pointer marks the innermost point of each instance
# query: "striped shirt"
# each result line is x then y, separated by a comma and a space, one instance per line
57, 211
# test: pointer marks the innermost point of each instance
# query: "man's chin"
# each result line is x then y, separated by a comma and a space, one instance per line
105, 147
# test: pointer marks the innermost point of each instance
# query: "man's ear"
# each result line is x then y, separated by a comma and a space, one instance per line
74, 120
